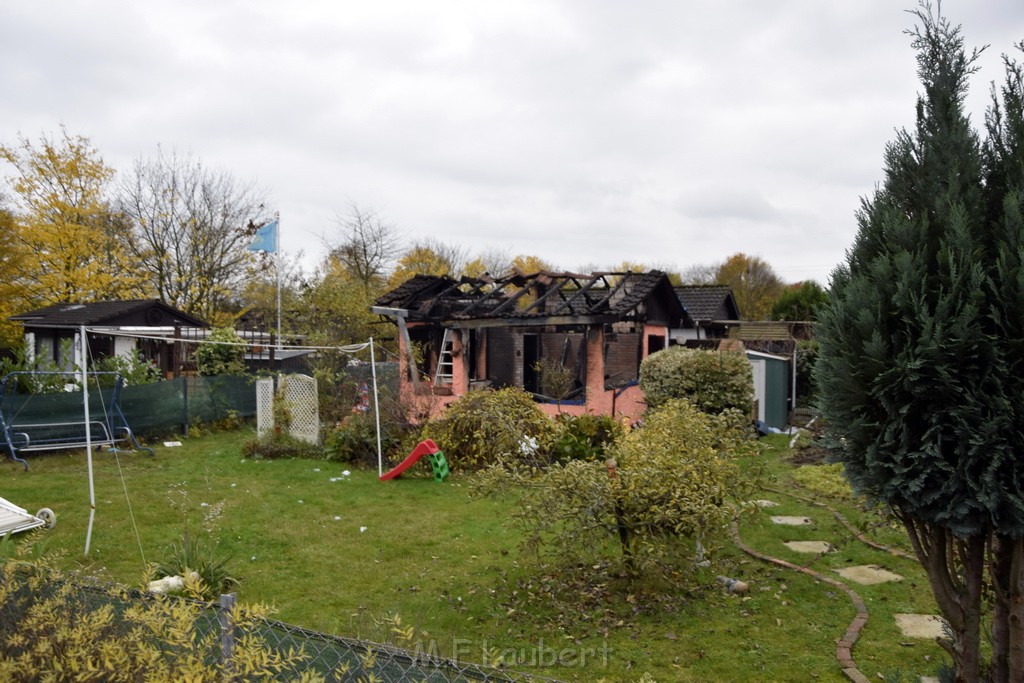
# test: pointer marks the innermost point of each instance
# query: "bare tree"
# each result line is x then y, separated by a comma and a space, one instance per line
494, 261
700, 274
368, 246
193, 227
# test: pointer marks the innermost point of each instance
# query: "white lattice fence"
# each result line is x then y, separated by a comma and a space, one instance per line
264, 406
300, 394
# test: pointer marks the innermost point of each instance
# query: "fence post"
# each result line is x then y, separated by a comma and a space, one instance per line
227, 633
184, 403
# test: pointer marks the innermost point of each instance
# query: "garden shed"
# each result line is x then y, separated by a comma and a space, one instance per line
771, 387
49, 330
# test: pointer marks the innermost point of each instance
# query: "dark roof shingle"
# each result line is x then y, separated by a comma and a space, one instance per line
102, 312
705, 302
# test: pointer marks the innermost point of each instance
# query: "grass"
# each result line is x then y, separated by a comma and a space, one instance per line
448, 564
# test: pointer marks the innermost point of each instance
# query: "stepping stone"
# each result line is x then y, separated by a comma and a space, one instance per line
921, 625
929, 679
792, 521
815, 547
765, 503
868, 574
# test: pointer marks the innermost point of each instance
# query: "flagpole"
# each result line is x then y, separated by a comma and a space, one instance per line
277, 270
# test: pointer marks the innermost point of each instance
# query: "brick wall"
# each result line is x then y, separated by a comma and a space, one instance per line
622, 357
504, 365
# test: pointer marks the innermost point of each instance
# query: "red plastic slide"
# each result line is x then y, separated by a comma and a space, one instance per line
425, 447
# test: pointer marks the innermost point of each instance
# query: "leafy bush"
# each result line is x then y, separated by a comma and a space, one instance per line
485, 427
191, 554
825, 480
226, 358
114, 635
806, 357
556, 380
24, 360
354, 437
672, 480
584, 437
136, 368
278, 445
714, 381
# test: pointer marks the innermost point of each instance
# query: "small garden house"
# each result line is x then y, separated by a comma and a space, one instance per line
574, 341
50, 330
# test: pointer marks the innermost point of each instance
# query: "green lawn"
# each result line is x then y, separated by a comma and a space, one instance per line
447, 564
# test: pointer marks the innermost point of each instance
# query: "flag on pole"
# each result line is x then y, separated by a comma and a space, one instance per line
265, 238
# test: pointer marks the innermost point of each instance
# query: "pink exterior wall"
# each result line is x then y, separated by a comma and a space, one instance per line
628, 401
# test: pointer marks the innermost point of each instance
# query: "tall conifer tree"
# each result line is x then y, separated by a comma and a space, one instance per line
921, 359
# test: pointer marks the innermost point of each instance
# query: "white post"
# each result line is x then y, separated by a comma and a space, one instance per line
277, 271
83, 346
376, 408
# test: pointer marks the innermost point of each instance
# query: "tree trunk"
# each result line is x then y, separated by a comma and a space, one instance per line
955, 568
1007, 564
972, 556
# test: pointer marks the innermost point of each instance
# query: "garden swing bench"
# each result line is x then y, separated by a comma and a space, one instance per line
55, 420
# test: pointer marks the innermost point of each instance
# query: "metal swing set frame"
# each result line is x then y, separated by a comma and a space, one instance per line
23, 437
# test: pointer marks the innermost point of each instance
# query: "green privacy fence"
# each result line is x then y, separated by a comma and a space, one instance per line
182, 401
170, 405
162, 406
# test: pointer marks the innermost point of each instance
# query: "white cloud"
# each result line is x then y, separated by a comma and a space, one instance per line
582, 131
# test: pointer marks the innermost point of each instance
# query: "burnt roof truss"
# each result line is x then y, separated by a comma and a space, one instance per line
517, 299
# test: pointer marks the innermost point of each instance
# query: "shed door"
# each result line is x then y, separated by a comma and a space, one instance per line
757, 366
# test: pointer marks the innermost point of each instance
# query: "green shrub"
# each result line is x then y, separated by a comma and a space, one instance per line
825, 480
135, 369
584, 437
227, 358
673, 479
192, 554
278, 445
714, 381
55, 630
485, 427
354, 436
354, 440
806, 357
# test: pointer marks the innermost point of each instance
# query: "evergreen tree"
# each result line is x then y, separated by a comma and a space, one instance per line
1004, 202
921, 359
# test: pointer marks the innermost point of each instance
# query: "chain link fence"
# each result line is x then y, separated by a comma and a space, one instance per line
334, 658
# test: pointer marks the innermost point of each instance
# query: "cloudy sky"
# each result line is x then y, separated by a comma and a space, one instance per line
587, 132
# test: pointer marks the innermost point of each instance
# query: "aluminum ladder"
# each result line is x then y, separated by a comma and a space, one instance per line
445, 363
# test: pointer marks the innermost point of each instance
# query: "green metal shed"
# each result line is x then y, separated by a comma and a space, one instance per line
771, 387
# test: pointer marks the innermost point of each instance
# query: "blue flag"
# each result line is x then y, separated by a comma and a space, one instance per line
265, 238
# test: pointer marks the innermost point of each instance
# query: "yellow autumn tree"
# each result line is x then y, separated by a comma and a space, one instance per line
754, 283
75, 248
426, 258
13, 291
529, 263
475, 268
335, 306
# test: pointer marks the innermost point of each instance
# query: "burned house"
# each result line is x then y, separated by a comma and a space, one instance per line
574, 341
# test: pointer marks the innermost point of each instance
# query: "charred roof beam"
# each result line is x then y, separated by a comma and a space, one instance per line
544, 297
531, 321
582, 292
